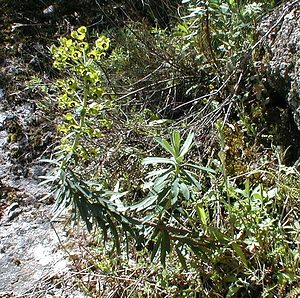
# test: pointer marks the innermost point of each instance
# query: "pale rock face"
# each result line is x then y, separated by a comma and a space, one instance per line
281, 64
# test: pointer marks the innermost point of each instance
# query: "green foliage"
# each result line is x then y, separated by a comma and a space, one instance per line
179, 69
222, 31
237, 233
150, 68
253, 222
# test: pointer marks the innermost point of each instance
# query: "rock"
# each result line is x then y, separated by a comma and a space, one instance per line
37, 170
2, 250
2, 94
31, 256
280, 64
11, 212
50, 11
6, 294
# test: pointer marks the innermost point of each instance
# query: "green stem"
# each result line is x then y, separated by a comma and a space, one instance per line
82, 117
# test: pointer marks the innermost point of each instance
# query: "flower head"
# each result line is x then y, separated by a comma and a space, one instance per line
102, 43
93, 55
83, 45
79, 34
76, 55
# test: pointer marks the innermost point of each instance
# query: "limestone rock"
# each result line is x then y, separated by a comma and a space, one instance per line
280, 46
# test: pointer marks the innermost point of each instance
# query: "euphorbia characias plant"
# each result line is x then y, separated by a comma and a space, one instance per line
82, 103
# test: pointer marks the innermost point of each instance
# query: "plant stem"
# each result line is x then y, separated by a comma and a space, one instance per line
82, 116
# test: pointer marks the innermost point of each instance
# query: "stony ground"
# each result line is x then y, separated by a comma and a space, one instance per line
34, 249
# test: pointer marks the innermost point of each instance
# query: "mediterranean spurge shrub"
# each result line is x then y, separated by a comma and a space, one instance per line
82, 103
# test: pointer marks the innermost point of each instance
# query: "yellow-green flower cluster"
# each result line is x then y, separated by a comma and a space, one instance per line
81, 92
78, 57
77, 51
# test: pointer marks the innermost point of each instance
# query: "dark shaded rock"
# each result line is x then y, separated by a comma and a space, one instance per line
280, 56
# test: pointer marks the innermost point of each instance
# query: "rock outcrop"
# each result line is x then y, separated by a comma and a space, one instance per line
280, 65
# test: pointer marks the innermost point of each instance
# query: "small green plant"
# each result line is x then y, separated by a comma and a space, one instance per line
175, 183
172, 193
222, 31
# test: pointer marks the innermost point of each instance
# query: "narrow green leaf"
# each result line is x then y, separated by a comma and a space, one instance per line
184, 240
115, 234
163, 200
53, 161
181, 258
216, 234
144, 204
222, 156
232, 291
201, 215
165, 247
184, 190
166, 145
156, 246
285, 277
157, 173
182, 28
174, 191
239, 253
200, 251
84, 212
47, 179
247, 188
176, 140
187, 144
240, 191
160, 183
98, 215
84, 191
190, 177
155, 160
115, 195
